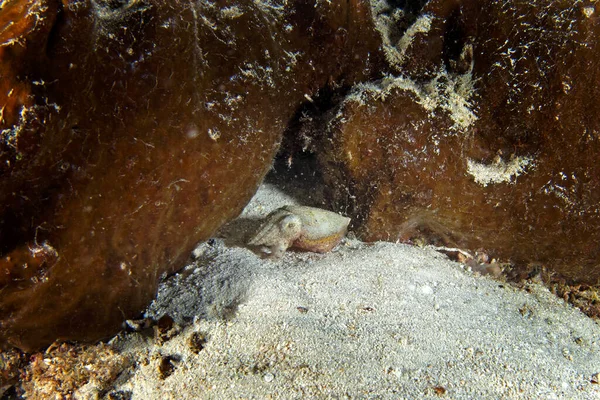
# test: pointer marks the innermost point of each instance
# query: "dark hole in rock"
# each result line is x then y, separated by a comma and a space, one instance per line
120, 395
165, 329
167, 365
197, 342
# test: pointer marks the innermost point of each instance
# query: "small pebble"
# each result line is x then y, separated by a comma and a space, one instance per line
427, 290
268, 377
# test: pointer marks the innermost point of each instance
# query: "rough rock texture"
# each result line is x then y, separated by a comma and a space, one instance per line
484, 137
131, 130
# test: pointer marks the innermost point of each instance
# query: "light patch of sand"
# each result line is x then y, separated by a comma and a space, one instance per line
379, 320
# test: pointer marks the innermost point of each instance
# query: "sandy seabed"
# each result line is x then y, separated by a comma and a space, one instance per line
380, 320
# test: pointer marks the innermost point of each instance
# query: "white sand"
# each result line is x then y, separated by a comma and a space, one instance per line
364, 321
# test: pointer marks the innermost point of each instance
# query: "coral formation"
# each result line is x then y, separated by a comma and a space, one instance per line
72, 371
131, 130
488, 141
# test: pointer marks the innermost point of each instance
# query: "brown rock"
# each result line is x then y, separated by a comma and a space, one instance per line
487, 139
131, 130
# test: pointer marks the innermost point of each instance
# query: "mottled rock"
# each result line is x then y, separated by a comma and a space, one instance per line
131, 130
484, 137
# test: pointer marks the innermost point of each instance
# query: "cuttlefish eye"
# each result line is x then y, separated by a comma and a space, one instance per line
291, 224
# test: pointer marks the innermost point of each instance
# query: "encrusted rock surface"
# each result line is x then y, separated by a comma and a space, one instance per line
488, 141
131, 130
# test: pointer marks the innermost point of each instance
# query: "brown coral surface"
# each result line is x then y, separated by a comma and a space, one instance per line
131, 130
65, 371
487, 141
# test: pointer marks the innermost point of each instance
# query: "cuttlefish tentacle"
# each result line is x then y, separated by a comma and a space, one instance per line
306, 228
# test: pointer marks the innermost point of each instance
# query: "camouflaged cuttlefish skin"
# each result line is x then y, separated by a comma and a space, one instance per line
306, 228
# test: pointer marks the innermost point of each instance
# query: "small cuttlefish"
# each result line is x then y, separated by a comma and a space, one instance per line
306, 228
